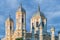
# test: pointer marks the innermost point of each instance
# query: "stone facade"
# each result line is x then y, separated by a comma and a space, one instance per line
38, 30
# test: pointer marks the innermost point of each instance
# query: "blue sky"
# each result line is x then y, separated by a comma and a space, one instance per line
51, 9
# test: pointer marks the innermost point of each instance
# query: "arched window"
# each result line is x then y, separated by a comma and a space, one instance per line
43, 24
32, 25
37, 24
10, 26
22, 18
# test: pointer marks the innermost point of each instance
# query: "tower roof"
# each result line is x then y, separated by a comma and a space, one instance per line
38, 12
20, 8
9, 18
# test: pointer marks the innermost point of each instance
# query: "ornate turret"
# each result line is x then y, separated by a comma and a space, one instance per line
52, 33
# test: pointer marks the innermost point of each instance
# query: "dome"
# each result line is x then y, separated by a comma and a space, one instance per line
39, 13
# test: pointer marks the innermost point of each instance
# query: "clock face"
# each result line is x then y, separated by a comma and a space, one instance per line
37, 24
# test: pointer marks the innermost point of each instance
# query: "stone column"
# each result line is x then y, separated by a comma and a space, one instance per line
33, 36
45, 26
52, 33
41, 33
59, 35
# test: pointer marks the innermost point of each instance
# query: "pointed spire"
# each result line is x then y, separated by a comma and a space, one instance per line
9, 15
21, 4
38, 7
20, 7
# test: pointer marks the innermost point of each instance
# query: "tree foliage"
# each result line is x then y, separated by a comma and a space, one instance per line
19, 39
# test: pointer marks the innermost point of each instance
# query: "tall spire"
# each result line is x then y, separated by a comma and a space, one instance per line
38, 7
21, 4
38, 11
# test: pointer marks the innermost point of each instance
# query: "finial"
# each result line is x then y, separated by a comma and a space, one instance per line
52, 28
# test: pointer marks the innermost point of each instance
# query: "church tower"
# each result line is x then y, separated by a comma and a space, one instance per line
9, 24
37, 19
21, 22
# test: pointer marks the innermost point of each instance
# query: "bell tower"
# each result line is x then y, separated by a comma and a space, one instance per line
9, 28
21, 22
